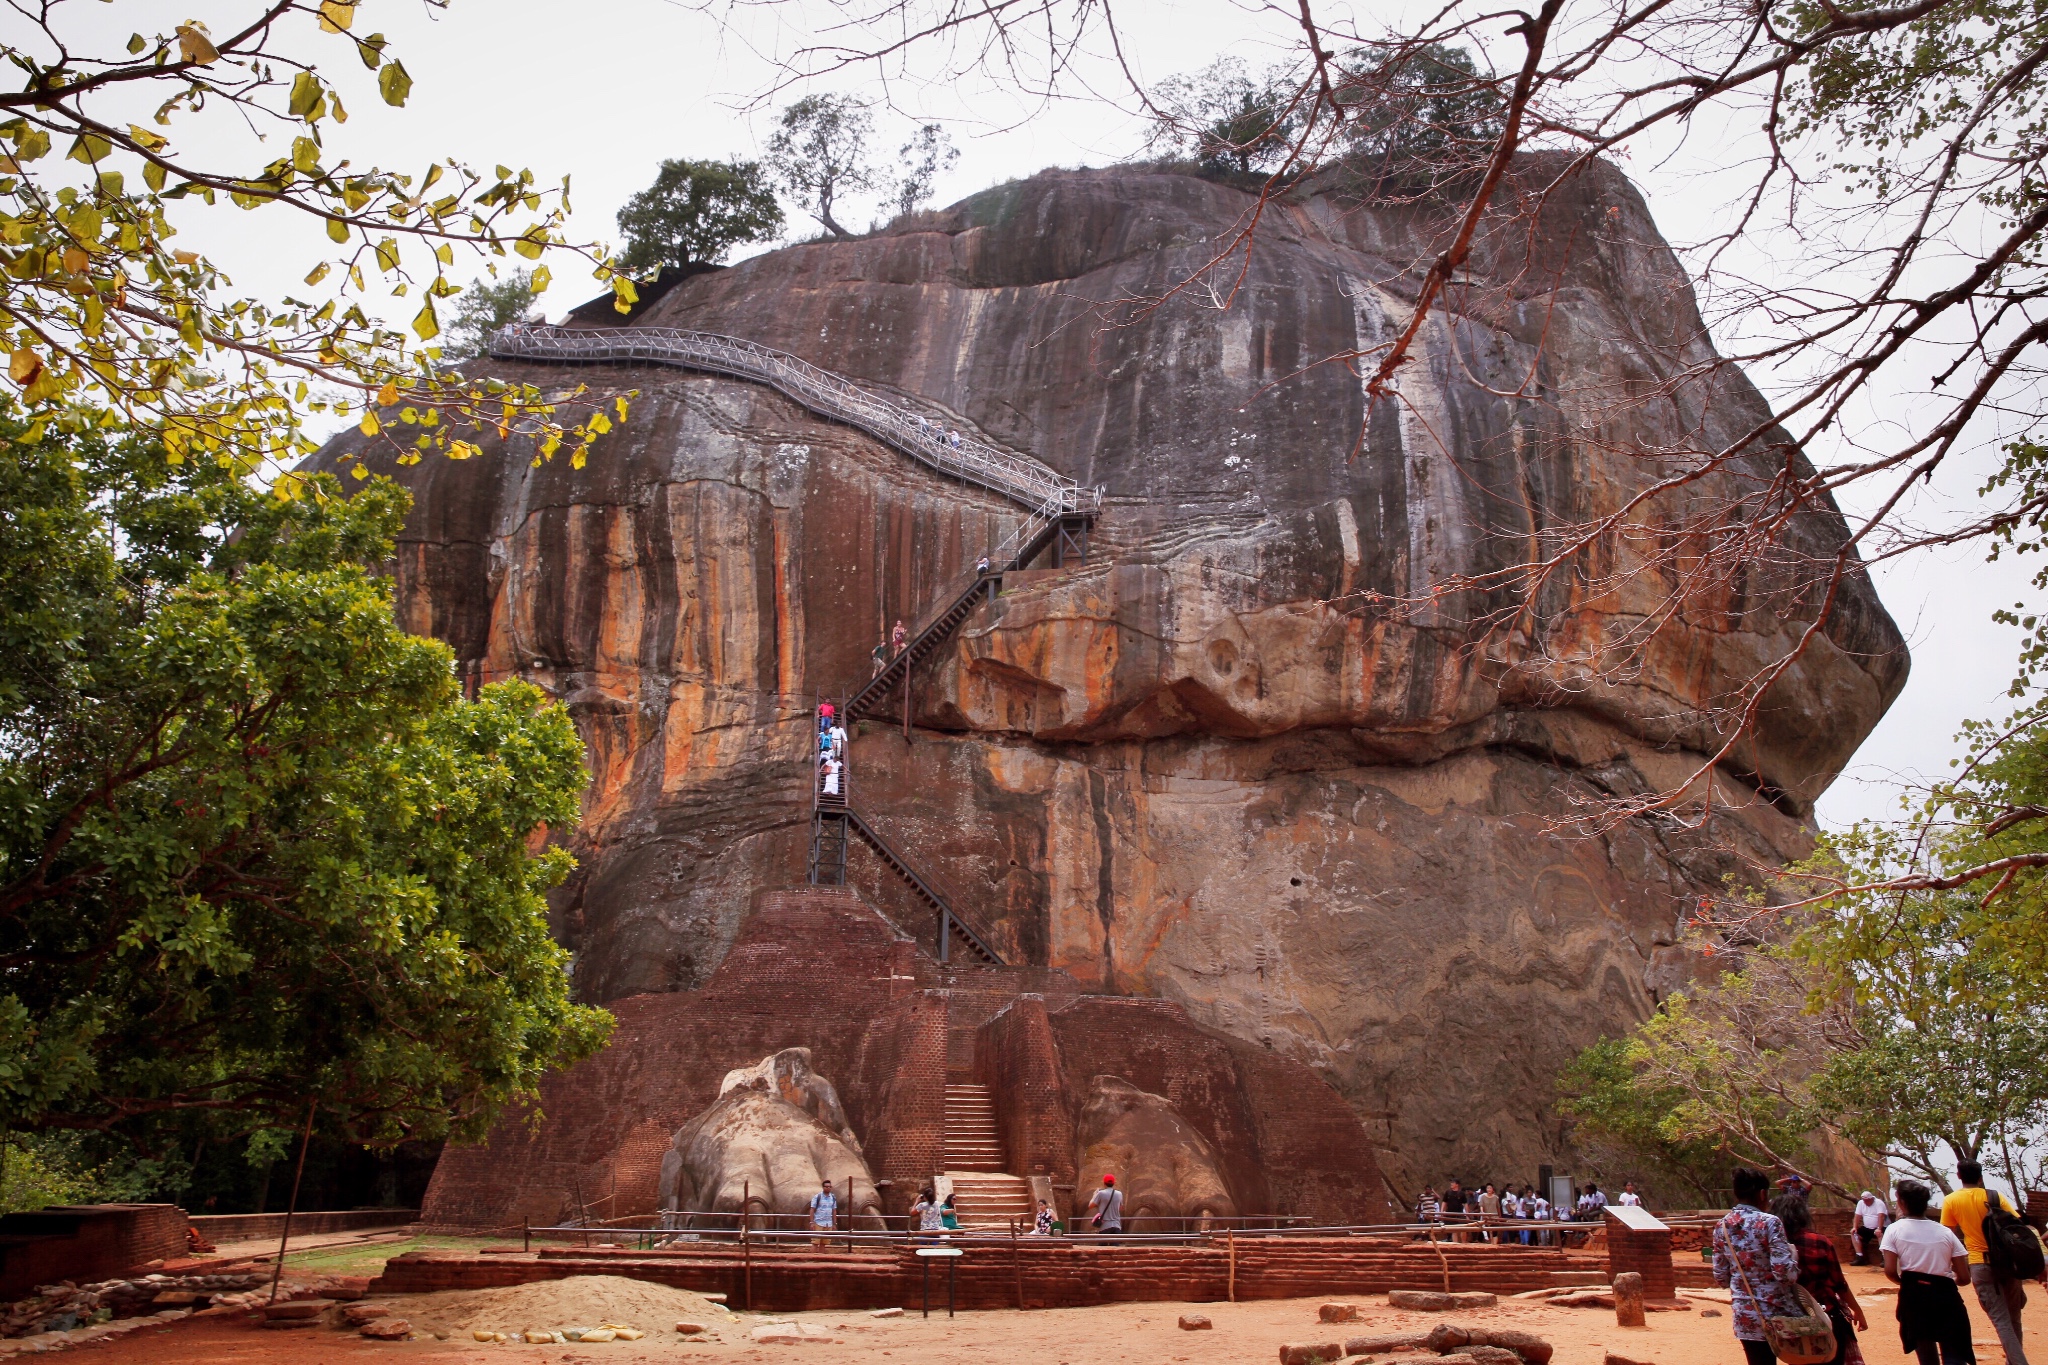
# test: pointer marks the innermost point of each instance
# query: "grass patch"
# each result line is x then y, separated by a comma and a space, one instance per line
369, 1260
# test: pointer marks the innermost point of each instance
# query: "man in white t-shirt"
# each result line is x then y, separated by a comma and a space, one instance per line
1868, 1225
1629, 1198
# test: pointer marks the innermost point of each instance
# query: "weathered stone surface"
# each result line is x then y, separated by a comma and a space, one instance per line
1530, 1347
776, 1132
1384, 1343
1310, 1352
1338, 1312
1430, 1301
1195, 1322
1628, 1299
387, 1329
1192, 769
1164, 1166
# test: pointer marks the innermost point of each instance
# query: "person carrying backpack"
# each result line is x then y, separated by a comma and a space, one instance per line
2003, 1253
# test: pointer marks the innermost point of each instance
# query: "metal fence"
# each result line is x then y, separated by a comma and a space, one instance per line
1036, 487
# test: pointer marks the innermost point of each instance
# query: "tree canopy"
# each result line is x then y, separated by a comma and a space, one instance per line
819, 153
697, 211
256, 849
100, 310
486, 306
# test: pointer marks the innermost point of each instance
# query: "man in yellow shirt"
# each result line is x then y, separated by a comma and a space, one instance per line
1963, 1214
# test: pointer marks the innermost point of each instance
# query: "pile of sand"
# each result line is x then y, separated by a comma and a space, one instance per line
551, 1305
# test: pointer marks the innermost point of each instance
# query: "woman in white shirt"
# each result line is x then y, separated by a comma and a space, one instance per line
1925, 1260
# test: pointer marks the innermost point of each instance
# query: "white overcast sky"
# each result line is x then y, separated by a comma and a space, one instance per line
604, 89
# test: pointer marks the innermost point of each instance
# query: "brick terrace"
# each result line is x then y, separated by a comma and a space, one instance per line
1026, 1272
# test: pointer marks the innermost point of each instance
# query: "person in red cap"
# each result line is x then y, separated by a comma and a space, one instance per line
1106, 1209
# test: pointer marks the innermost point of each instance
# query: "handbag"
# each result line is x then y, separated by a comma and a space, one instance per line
1805, 1340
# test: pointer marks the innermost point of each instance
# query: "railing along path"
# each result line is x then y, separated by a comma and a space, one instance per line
1044, 493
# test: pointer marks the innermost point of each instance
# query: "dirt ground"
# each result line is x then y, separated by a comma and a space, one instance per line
1123, 1334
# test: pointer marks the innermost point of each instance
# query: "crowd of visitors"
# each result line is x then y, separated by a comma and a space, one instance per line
1767, 1257
1491, 1213
831, 753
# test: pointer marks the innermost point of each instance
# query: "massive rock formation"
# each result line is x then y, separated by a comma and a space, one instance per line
1202, 767
1165, 1167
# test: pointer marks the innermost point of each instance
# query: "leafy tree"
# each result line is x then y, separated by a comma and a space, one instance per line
697, 211
485, 307
101, 312
1423, 108
819, 153
1224, 119
928, 154
256, 850
1618, 1120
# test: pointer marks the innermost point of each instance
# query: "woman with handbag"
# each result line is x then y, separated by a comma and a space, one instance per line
1755, 1262
1820, 1274
1925, 1260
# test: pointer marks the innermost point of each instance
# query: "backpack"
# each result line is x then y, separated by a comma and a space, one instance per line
2010, 1247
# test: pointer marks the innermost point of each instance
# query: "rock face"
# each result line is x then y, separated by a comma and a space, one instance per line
1164, 1167
1203, 767
775, 1135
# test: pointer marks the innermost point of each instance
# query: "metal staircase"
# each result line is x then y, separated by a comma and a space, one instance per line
1057, 515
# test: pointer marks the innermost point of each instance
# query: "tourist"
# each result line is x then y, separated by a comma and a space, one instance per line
1454, 1208
1869, 1226
1820, 1271
880, 654
981, 567
824, 1213
1539, 1209
949, 1217
1963, 1214
832, 766
952, 438
1106, 1208
925, 1213
1629, 1198
1429, 1209
838, 737
1041, 1226
1926, 1261
1754, 1261
899, 636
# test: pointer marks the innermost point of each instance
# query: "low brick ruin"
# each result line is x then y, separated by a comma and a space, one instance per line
818, 968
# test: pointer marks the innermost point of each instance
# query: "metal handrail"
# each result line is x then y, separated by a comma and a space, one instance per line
1034, 486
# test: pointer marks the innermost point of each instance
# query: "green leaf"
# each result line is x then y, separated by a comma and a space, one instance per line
337, 229
394, 84
306, 95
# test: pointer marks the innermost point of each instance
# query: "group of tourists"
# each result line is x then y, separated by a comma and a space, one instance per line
899, 636
1765, 1255
1482, 1210
933, 1218
831, 752
937, 432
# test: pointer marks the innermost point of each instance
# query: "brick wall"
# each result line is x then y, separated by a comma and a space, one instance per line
1019, 1061
85, 1242
1648, 1253
243, 1227
900, 1079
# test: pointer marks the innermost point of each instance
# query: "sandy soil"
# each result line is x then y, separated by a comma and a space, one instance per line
1124, 1334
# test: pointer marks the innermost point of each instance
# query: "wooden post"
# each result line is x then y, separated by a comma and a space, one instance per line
1628, 1300
746, 1241
1230, 1239
1017, 1264
277, 1271
526, 1234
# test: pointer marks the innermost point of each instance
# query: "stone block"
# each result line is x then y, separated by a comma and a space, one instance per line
1337, 1312
1430, 1301
1381, 1345
1195, 1322
387, 1329
1311, 1352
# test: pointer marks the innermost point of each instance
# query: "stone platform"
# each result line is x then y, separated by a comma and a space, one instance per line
1029, 1272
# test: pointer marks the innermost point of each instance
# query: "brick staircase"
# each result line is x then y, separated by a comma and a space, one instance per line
991, 1202
972, 1143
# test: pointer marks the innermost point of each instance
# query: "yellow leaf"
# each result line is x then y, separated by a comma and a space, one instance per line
305, 95
540, 281
153, 175
368, 426
531, 243
387, 254
426, 325
24, 367
335, 16
196, 47
76, 260
444, 253
185, 257
359, 472
387, 395
462, 450
145, 139
319, 273
337, 230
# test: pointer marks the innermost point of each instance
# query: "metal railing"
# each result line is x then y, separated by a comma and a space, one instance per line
1036, 487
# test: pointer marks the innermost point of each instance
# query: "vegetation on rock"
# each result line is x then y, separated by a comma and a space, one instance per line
697, 211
